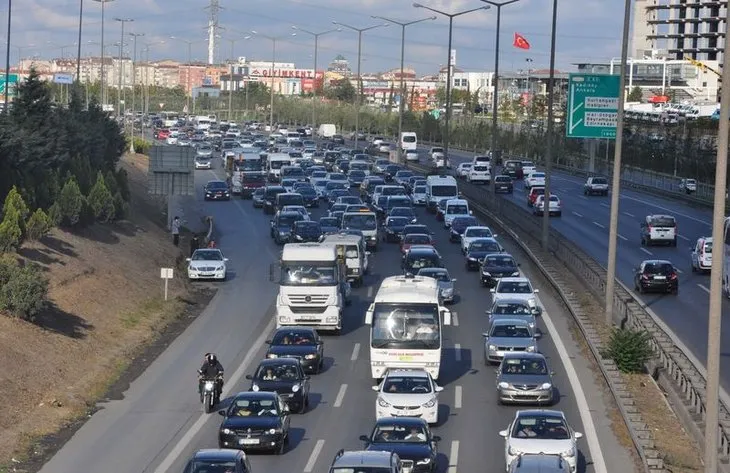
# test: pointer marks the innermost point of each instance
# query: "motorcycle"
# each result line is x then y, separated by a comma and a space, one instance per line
209, 393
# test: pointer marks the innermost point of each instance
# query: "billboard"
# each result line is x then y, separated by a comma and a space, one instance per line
63, 78
281, 72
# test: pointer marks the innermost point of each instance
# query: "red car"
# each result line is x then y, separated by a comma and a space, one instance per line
162, 134
532, 195
419, 239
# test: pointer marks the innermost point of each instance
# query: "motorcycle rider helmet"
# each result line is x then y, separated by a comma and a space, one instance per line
211, 358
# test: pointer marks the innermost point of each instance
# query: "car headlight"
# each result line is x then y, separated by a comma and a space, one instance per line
255, 388
383, 403
311, 356
425, 461
514, 451
530, 349
503, 385
220, 268
471, 258
516, 274
298, 237
492, 347
272, 431
227, 431
532, 303
546, 386
272, 355
486, 273
568, 453
430, 403
295, 388
447, 292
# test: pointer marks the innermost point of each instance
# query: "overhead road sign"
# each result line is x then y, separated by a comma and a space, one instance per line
592, 106
66, 79
12, 79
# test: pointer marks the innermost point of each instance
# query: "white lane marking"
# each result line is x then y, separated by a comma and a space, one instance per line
309, 467
355, 352
646, 251
340, 396
622, 237
454, 456
577, 215
370, 292
704, 288
683, 237
455, 319
629, 215
457, 351
599, 225
599, 464
458, 394
669, 211
233, 381
603, 204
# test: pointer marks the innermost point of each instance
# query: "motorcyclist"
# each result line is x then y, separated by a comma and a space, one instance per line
211, 370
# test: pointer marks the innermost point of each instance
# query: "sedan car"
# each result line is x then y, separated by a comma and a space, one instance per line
524, 378
329, 225
408, 437
284, 376
309, 195
503, 184
506, 336
512, 309
516, 288
217, 190
305, 231
420, 257
356, 177
282, 225
541, 431
258, 198
656, 276
415, 239
218, 459
497, 266
393, 228
408, 393
207, 263
255, 421
203, 162
462, 170
472, 233
459, 226
301, 343
445, 283
478, 250
407, 212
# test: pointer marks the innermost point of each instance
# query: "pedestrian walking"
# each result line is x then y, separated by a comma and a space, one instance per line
176, 231
194, 244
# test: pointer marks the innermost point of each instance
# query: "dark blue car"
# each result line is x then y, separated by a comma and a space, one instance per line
409, 437
480, 248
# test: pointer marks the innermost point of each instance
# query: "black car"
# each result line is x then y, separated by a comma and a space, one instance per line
656, 276
270, 193
478, 249
218, 459
309, 196
217, 190
302, 343
406, 212
390, 171
409, 437
497, 266
417, 258
503, 184
305, 231
288, 198
286, 377
282, 226
329, 225
459, 225
342, 165
258, 197
417, 228
338, 139
393, 228
356, 177
255, 421
379, 205
330, 158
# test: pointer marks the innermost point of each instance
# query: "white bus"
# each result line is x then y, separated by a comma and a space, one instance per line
406, 324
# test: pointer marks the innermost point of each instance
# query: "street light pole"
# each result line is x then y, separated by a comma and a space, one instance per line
401, 104
449, 67
360, 31
188, 91
550, 127
7, 58
495, 77
101, 73
316, 51
134, 85
273, 40
123, 21
78, 50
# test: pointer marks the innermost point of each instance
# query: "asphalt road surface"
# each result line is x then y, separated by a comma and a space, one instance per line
159, 423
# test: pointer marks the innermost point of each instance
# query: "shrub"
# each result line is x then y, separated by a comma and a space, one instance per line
11, 233
120, 206
38, 225
101, 201
123, 184
629, 349
71, 202
55, 215
25, 293
14, 201
110, 179
8, 266
141, 145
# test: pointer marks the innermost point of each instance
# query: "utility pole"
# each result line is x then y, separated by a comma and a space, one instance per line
7, 58
134, 86
102, 79
550, 128
78, 50
273, 40
123, 21
230, 82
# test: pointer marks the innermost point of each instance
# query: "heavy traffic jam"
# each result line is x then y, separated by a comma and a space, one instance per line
333, 211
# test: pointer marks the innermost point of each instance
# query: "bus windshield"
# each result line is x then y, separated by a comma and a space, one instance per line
308, 273
413, 326
359, 221
251, 165
443, 191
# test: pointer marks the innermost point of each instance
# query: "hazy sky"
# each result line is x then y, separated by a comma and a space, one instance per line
588, 30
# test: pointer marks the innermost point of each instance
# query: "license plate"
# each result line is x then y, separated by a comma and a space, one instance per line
249, 441
660, 278
400, 413
206, 275
308, 317
405, 358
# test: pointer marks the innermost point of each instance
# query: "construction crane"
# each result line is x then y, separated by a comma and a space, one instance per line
703, 67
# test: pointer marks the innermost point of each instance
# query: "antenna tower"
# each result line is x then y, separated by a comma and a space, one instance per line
213, 28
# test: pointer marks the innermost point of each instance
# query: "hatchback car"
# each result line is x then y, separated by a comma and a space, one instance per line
410, 438
702, 254
217, 190
407, 393
444, 280
503, 184
517, 288
284, 376
203, 162
214, 459
524, 378
282, 226
255, 421
419, 257
555, 207
656, 276
497, 266
659, 229
506, 336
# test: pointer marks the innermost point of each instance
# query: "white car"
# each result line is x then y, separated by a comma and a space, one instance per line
479, 174
516, 288
171, 140
297, 208
473, 233
203, 163
419, 196
207, 263
384, 147
554, 208
541, 431
408, 393
412, 156
528, 167
535, 178
462, 170
702, 254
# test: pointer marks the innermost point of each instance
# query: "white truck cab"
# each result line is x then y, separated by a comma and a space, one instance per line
313, 290
455, 208
367, 223
275, 162
350, 249
439, 188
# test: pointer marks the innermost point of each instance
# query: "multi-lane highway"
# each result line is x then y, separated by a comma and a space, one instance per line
585, 221
159, 423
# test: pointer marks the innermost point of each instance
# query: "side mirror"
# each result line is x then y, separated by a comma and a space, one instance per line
365, 438
536, 291
537, 335
225, 260
286, 408
439, 389
368, 253
271, 223
493, 290
485, 335
577, 435
268, 342
307, 377
320, 342
249, 377
494, 235
504, 433
552, 373
453, 280
436, 438
222, 412
488, 312
188, 259
471, 212
375, 388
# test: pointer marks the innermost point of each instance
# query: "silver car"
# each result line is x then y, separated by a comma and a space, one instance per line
524, 378
205, 151
517, 288
445, 283
512, 309
506, 336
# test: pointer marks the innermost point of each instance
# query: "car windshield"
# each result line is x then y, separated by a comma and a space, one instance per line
443, 191
304, 273
514, 287
402, 212
600, 180
658, 268
481, 246
332, 185
461, 223
397, 222
510, 331
513, 308
285, 221
213, 466
363, 221
480, 168
437, 274
294, 337
406, 385
319, 174
335, 176
207, 255
329, 222
403, 174
417, 229
502, 179
407, 325
282, 372
457, 209
417, 261
217, 185
524, 366
541, 427
416, 239
538, 175
306, 191
254, 408
356, 173
308, 227
419, 190
359, 166
478, 233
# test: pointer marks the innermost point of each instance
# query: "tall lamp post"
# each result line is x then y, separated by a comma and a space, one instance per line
7, 57
188, 91
273, 40
360, 31
134, 84
550, 128
101, 73
230, 75
78, 50
401, 105
316, 50
123, 21
495, 77
450, 66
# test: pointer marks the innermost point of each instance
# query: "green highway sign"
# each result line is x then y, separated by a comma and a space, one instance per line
592, 106
12, 78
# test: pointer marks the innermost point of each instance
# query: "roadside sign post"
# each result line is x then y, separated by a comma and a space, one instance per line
592, 106
166, 274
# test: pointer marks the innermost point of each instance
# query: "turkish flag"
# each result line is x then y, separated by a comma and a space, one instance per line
520, 42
